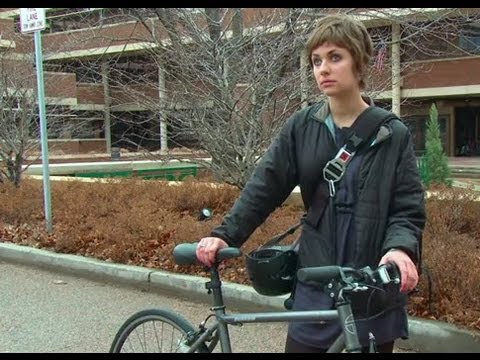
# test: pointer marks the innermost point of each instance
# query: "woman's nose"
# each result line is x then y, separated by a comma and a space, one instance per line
324, 68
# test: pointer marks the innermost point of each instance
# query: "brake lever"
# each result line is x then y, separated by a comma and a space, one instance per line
385, 276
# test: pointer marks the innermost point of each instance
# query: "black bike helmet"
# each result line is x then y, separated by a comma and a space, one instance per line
272, 269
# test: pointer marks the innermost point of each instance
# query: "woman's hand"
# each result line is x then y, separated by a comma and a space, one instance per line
408, 270
207, 249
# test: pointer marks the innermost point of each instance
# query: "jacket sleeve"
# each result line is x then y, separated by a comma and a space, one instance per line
407, 217
271, 182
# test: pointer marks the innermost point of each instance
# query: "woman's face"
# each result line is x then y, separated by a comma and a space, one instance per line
334, 70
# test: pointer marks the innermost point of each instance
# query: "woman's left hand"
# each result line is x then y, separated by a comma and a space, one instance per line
408, 270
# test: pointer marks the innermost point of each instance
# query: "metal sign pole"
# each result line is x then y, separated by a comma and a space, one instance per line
43, 129
33, 20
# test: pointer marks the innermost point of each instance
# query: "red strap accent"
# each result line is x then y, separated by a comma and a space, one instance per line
344, 155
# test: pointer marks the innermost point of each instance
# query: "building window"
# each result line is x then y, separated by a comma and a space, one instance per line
66, 124
469, 39
418, 128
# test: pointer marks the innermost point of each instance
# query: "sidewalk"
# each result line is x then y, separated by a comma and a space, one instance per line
425, 335
468, 162
464, 161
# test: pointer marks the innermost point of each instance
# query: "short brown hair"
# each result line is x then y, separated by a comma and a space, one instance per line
343, 31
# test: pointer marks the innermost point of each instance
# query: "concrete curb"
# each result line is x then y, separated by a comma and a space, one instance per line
463, 184
425, 335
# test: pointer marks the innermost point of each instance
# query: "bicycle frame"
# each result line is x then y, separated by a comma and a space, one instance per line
348, 339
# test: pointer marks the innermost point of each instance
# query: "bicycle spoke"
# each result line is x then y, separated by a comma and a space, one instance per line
159, 346
129, 345
151, 330
139, 339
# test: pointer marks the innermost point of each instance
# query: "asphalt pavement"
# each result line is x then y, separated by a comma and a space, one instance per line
68, 303
45, 311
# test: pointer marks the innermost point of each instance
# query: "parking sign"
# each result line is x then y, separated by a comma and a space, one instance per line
32, 19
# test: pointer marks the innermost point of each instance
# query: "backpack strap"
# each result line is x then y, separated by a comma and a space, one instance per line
366, 126
362, 130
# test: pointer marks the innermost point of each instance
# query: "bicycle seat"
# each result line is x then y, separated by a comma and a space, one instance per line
185, 254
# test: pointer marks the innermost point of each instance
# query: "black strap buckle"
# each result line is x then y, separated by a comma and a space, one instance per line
335, 168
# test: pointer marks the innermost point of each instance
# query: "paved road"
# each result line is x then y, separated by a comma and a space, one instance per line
43, 311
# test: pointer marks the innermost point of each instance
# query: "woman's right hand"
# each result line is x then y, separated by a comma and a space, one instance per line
207, 249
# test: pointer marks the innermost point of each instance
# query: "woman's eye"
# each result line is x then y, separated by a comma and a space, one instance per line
336, 57
317, 62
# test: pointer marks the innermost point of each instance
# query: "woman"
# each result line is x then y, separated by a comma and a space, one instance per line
377, 214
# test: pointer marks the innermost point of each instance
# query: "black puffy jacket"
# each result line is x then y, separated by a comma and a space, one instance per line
390, 211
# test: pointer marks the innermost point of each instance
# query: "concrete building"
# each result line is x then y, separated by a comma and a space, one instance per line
415, 65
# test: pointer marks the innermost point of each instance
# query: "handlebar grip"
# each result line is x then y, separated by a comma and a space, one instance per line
322, 273
186, 253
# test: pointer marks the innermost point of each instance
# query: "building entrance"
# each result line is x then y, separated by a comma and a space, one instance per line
467, 131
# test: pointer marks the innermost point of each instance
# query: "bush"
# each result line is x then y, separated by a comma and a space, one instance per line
140, 222
451, 254
434, 163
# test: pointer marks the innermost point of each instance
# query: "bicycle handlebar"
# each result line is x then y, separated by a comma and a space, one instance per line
385, 274
185, 254
322, 273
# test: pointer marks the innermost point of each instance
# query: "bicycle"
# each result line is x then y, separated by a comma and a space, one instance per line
146, 330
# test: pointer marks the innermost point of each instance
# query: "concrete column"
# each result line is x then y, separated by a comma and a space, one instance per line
162, 97
396, 76
451, 132
108, 103
303, 80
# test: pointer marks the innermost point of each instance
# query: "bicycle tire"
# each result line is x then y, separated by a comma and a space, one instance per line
170, 324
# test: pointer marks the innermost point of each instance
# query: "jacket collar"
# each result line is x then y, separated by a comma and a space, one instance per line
323, 109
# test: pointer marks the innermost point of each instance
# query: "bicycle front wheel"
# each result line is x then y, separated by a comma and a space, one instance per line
154, 331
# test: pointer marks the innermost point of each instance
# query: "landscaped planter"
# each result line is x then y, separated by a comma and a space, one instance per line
139, 222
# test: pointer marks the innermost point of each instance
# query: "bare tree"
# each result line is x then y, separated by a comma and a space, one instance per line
229, 87
223, 81
17, 116
236, 84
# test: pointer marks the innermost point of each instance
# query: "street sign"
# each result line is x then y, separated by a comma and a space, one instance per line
32, 19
